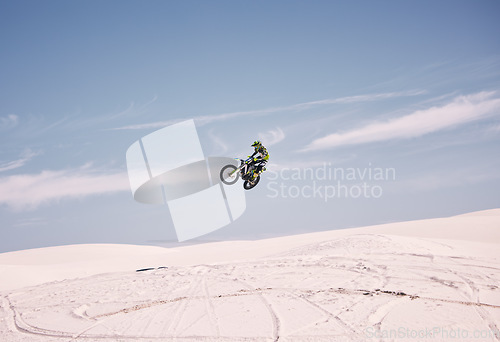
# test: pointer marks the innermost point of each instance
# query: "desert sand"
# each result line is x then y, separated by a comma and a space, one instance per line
427, 280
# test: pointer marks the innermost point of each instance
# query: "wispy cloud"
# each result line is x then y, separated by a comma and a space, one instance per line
33, 221
495, 128
150, 125
9, 121
441, 179
218, 142
39, 125
294, 165
206, 119
26, 156
29, 191
461, 110
272, 137
306, 105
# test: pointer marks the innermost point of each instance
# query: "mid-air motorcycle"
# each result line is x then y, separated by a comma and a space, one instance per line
229, 174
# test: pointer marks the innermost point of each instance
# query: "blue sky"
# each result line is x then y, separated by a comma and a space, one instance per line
412, 86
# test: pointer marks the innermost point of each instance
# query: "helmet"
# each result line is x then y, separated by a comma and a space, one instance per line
256, 143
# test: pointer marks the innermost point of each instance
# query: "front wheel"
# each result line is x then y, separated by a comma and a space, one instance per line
250, 184
228, 174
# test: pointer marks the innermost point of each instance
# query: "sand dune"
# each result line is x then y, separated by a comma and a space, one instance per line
430, 280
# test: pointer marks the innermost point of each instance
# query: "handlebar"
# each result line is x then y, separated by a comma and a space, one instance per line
244, 160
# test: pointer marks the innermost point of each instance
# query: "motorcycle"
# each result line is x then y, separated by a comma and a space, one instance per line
229, 174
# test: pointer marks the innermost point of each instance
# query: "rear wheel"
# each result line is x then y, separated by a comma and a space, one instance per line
250, 184
228, 175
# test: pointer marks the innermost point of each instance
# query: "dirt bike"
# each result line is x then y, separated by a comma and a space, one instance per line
229, 174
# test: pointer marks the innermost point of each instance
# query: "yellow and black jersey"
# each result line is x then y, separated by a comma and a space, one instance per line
262, 152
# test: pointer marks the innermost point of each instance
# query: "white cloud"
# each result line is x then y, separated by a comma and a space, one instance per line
29, 191
25, 157
205, 119
9, 121
272, 137
461, 110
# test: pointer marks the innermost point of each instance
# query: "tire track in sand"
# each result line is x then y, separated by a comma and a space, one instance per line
274, 317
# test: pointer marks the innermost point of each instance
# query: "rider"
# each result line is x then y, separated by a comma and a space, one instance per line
260, 158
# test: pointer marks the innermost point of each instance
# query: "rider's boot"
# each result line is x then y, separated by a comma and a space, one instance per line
254, 175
